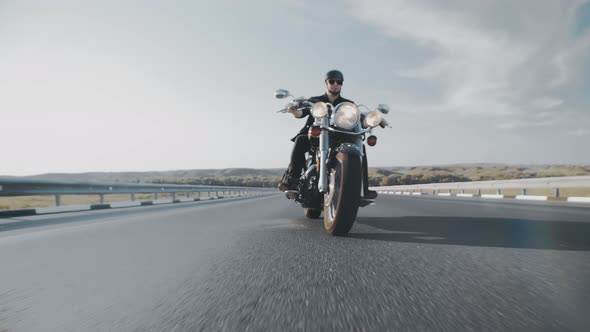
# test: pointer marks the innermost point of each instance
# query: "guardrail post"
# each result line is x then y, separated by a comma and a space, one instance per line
498, 192
173, 196
57, 200
523, 191
101, 198
133, 197
156, 196
478, 192
462, 191
556, 192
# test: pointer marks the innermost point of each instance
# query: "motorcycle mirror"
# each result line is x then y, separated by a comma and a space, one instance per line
282, 93
299, 100
383, 108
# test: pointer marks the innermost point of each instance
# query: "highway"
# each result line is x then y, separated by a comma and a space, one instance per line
409, 264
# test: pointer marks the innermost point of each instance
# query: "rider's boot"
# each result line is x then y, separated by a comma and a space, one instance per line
288, 183
371, 194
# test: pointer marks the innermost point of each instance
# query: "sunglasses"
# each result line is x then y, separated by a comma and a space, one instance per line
339, 82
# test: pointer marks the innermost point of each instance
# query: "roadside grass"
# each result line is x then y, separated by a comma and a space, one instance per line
28, 202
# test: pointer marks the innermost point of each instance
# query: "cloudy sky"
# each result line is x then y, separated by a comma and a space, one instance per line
161, 85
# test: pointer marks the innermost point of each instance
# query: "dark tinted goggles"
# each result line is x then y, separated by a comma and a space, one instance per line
339, 82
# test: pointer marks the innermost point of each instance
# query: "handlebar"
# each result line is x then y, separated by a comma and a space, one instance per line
307, 104
286, 109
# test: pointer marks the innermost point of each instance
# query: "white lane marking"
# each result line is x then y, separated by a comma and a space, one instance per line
64, 208
579, 199
125, 204
464, 195
491, 196
162, 201
531, 197
444, 194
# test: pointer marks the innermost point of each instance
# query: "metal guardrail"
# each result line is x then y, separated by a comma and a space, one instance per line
28, 187
554, 183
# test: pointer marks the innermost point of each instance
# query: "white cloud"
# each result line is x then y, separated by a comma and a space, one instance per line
579, 132
524, 124
492, 56
546, 102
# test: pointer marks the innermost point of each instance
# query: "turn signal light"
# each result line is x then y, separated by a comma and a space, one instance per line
372, 140
315, 131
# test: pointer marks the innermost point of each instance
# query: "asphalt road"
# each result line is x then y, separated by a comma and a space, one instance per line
410, 263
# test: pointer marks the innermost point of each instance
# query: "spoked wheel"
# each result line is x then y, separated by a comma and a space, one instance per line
341, 204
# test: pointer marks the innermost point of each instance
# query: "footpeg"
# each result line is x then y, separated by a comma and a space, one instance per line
291, 194
364, 202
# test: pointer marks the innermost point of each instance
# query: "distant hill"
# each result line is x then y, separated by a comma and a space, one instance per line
469, 172
157, 176
377, 175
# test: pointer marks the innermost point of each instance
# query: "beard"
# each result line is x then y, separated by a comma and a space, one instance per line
334, 93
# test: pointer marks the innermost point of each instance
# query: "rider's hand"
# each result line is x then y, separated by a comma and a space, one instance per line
294, 109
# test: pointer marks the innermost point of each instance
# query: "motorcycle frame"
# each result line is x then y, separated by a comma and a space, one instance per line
324, 149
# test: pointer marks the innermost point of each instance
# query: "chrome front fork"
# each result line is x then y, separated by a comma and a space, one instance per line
324, 151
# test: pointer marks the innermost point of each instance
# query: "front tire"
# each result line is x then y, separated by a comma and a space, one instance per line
341, 204
312, 213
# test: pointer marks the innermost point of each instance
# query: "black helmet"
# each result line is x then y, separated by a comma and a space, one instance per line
334, 75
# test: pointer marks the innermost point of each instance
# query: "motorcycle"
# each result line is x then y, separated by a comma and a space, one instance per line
332, 180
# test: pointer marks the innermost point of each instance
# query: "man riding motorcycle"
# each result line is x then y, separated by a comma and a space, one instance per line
334, 80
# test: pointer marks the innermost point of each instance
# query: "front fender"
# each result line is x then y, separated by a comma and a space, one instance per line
350, 149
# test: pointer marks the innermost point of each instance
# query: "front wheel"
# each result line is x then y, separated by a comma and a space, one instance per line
341, 204
312, 213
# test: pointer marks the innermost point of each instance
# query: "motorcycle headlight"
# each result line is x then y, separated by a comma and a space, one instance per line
373, 119
319, 110
347, 116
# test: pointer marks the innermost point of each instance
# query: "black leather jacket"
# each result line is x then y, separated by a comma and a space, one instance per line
307, 111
